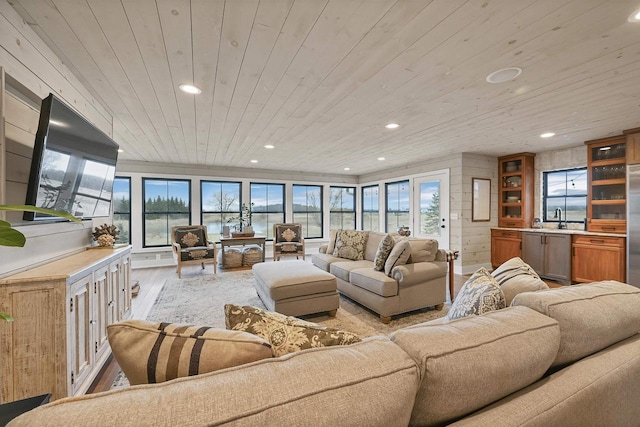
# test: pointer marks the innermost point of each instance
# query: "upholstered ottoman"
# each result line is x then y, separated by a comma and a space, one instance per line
296, 288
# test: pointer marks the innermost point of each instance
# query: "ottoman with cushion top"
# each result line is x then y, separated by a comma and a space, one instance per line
296, 288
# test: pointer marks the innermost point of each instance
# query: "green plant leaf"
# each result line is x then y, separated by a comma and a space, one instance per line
27, 208
7, 317
11, 237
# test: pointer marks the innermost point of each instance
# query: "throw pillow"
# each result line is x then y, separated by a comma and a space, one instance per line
515, 276
384, 249
399, 256
332, 241
480, 294
285, 333
151, 352
350, 244
190, 237
422, 250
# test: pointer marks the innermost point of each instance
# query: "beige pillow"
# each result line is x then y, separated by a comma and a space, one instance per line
285, 333
399, 256
332, 241
351, 244
151, 352
384, 249
515, 276
422, 250
480, 294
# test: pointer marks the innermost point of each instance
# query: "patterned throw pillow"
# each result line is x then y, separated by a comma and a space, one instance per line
384, 249
190, 237
516, 276
350, 244
151, 352
480, 294
285, 333
399, 256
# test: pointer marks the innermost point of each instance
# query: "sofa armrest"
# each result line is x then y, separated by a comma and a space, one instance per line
419, 272
441, 255
323, 248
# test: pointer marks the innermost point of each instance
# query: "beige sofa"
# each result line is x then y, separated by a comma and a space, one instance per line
559, 357
415, 285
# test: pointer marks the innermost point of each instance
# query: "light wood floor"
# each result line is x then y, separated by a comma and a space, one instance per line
151, 281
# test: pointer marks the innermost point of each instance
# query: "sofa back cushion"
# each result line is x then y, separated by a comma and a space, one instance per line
332, 241
373, 242
468, 363
399, 255
151, 352
371, 383
351, 244
422, 250
516, 276
591, 316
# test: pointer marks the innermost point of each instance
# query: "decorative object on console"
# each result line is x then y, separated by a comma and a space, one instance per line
286, 334
105, 234
404, 231
151, 352
244, 228
480, 294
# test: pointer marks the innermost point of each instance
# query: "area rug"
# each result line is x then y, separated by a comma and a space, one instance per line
200, 301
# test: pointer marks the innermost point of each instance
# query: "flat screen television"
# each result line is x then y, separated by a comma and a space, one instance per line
73, 164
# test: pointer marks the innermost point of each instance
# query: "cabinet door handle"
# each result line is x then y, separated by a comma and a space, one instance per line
573, 251
596, 241
604, 227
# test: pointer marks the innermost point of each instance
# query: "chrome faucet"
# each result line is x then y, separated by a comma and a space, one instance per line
558, 215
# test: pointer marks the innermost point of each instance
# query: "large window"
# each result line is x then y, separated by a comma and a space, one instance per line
167, 203
567, 190
342, 208
268, 207
397, 214
122, 208
370, 208
220, 201
307, 209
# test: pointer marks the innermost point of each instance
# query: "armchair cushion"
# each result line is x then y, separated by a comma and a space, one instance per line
190, 237
198, 252
288, 233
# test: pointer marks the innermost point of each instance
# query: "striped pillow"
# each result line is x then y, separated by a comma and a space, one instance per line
516, 276
151, 352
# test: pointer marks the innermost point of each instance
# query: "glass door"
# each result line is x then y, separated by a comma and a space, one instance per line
431, 207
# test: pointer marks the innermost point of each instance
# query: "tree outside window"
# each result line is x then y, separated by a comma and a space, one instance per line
567, 190
370, 208
122, 208
342, 208
220, 202
268, 207
307, 209
167, 204
397, 212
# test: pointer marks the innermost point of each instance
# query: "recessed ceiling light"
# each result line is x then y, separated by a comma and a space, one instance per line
120, 150
634, 17
269, 147
347, 169
504, 75
381, 158
190, 89
547, 135
392, 126
254, 161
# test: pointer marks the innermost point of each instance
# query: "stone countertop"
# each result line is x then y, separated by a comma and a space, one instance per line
561, 231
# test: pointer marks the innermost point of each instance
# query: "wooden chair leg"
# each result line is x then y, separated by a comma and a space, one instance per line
179, 271
333, 313
439, 307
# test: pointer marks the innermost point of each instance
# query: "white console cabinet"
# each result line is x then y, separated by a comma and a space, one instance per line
58, 341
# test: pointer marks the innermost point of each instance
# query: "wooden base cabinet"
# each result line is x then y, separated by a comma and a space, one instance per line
58, 341
505, 244
598, 258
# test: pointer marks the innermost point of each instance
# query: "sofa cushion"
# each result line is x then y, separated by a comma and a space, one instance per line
373, 242
343, 269
479, 294
399, 255
422, 250
468, 363
350, 244
323, 387
592, 316
151, 352
323, 261
516, 276
374, 281
286, 334
382, 253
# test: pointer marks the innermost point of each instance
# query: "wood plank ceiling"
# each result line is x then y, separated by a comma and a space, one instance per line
319, 79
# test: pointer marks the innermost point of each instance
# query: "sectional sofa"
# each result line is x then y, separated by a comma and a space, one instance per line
559, 357
419, 283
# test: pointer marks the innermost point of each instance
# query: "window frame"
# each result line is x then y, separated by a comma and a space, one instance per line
545, 195
145, 213
342, 212
284, 205
362, 203
128, 179
387, 211
307, 212
203, 211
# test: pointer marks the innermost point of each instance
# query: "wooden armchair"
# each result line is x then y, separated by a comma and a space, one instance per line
191, 245
287, 240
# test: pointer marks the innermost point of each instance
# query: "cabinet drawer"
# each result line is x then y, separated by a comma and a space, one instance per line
618, 242
597, 226
512, 223
505, 233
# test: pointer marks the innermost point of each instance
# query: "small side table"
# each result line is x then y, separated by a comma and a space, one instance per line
451, 257
11, 410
